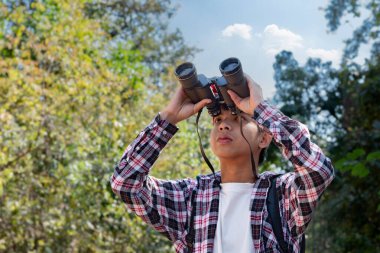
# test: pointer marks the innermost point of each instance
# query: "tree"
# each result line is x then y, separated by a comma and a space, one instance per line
145, 24
72, 97
340, 108
367, 33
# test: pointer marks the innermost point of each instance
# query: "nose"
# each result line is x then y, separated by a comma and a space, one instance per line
224, 126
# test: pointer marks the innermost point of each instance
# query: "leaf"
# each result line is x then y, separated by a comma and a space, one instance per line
342, 165
373, 156
359, 170
358, 152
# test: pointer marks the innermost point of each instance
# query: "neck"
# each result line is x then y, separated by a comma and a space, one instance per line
237, 170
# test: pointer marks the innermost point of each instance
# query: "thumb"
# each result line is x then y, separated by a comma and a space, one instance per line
235, 98
201, 104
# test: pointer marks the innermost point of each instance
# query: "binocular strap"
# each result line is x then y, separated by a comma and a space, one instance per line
201, 146
253, 165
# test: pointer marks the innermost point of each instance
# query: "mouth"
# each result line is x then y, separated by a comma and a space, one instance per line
224, 140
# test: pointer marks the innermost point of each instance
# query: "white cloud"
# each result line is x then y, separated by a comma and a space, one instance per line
327, 55
242, 30
276, 39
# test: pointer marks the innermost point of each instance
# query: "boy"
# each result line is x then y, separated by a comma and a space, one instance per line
226, 212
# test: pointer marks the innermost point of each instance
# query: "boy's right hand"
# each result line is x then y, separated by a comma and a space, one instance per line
180, 107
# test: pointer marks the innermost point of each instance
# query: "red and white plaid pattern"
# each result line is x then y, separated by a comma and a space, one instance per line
186, 210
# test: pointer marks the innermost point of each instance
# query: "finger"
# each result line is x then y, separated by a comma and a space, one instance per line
235, 98
248, 77
201, 104
180, 94
250, 84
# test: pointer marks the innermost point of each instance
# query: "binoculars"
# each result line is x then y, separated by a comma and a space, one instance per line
198, 87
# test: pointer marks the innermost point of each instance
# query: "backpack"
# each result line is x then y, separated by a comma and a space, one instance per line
274, 214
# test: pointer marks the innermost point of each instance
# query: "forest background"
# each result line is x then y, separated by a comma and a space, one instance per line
79, 79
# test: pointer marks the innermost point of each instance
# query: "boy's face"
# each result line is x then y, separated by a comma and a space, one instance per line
226, 139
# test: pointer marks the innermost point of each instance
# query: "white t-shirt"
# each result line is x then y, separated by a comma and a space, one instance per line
233, 230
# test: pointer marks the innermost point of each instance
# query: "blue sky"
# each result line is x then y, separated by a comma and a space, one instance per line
255, 30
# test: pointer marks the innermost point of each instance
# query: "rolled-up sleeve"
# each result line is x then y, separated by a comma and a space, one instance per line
313, 171
161, 203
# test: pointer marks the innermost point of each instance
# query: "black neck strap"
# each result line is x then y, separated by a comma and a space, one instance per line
201, 146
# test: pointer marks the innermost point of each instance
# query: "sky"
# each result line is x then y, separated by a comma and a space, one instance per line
255, 31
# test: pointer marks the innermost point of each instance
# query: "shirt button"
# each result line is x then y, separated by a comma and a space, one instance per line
164, 132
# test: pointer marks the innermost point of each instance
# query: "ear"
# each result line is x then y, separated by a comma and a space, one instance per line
265, 139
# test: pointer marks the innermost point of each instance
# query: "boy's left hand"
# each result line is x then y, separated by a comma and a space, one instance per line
248, 104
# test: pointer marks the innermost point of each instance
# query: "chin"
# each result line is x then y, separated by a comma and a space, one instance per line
231, 153
227, 154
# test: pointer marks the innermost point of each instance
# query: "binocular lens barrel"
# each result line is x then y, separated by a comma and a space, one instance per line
187, 76
185, 70
230, 66
233, 72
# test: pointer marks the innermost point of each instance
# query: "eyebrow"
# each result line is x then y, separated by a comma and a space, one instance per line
220, 115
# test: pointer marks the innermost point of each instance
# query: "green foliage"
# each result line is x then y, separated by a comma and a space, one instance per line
341, 107
343, 113
366, 33
309, 93
353, 162
72, 97
145, 24
357, 162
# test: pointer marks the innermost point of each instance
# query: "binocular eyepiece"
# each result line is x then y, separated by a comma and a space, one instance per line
198, 87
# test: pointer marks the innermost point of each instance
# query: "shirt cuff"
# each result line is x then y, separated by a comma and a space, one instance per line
164, 127
266, 113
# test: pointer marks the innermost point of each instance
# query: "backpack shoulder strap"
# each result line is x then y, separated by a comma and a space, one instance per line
274, 214
190, 237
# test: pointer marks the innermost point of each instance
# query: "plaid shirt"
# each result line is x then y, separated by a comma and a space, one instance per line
186, 210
